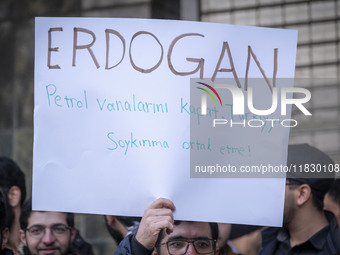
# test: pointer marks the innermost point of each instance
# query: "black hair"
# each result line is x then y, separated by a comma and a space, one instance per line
6, 211
26, 210
334, 191
3, 211
11, 175
2, 215
318, 199
213, 228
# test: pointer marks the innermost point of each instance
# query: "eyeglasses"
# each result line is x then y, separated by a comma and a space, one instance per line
180, 247
37, 231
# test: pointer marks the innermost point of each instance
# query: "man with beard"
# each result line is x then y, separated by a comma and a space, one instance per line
46, 232
307, 228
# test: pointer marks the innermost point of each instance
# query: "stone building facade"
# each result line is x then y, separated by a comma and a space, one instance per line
317, 62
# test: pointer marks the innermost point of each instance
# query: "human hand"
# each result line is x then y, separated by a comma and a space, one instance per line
157, 216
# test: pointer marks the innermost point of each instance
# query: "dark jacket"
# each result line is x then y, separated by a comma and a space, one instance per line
6, 252
328, 245
130, 246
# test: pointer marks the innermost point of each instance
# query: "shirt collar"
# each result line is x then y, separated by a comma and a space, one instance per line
317, 240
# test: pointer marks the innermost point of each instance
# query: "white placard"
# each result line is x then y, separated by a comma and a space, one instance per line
112, 116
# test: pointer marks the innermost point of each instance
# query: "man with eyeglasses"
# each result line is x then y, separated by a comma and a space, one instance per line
307, 229
46, 232
158, 233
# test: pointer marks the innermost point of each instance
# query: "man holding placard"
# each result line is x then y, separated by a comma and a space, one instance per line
158, 233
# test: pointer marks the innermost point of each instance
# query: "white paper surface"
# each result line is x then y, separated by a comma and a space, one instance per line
110, 140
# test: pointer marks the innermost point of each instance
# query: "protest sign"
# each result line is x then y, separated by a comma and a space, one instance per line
112, 117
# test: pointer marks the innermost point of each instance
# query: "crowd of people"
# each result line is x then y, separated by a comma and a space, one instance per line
311, 221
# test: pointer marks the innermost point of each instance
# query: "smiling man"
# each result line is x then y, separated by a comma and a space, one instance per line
46, 232
158, 233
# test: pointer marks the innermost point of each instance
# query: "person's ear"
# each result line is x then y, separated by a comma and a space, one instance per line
115, 224
22, 237
154, 252
217, 251
14, 196
111, 220
304, 192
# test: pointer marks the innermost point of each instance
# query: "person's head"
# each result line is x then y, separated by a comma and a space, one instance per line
46, 232
188, 237
119, 226
305, 186
332, 199
224, 230
12, 179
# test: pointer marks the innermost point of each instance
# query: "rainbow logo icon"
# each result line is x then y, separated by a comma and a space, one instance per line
204, 99
209, 93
